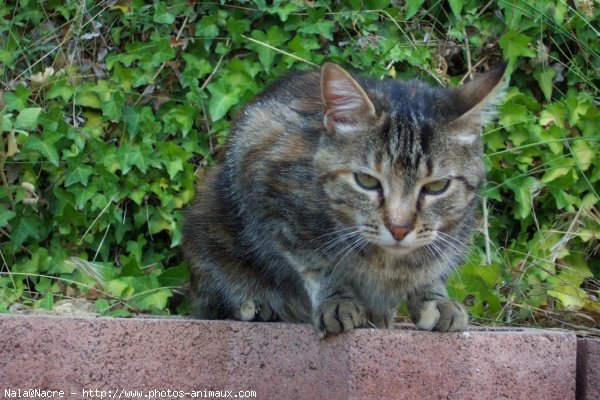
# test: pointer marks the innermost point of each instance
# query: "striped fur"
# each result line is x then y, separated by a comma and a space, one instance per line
283, 230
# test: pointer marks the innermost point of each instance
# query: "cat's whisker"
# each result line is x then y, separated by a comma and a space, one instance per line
341, 235
454, 243
461, 252
335, 232
345, 248
335, 241
448, 236
349, 250
441, 242
443, 254
433, 253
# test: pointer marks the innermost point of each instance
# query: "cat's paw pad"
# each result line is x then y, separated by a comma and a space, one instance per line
339, 315
442, 315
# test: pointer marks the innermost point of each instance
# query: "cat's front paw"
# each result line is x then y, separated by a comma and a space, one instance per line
383, 321
442, 315
339, 315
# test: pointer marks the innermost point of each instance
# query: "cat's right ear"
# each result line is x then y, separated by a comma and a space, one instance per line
346, 106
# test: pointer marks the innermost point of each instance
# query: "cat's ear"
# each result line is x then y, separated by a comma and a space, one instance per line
475, 103
346, 106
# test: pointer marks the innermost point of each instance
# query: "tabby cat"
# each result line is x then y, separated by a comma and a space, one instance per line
340, 197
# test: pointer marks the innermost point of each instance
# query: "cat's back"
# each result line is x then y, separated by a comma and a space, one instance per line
274, 139
287, 115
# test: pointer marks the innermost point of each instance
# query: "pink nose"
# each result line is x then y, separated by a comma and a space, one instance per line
399, 232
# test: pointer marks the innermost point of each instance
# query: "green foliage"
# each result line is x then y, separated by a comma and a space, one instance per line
111, 111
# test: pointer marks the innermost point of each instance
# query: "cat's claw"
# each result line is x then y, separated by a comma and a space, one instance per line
339, 315
383, 321
443, 315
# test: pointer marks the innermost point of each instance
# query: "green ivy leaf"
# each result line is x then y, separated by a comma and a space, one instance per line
17, 100
274, 38
195, 69
154, 298
550, 137
523, 190
223, 97
102, 306
45, 145
562, 199
119, 288
78, 173
207, 27
134, 156
566, 284
47, 302
27, 118
60, 89
513, 114
456, 7
132, 121
86, 97
160, 52
111, 100
559, 168
118, 313
5, 215
82, 195
584, 154
412, 6
179, 118
545, 79
25, 227
515, 45
173, 158
322, 27
45, 148
283, 10
161, 14
176, 276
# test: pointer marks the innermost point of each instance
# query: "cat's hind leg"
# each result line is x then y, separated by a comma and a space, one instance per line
206, 300
212, 301
253, 310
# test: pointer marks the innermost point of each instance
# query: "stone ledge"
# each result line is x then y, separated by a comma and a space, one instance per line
278, 360
588, 369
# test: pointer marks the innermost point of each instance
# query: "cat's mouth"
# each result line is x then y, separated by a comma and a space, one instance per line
398, 248
408, 245
383, 239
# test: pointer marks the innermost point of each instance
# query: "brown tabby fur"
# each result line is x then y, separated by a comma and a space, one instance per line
283, 230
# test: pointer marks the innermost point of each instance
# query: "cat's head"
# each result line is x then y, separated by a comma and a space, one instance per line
402, 161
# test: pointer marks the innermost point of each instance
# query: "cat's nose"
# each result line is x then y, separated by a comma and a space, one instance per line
399, 232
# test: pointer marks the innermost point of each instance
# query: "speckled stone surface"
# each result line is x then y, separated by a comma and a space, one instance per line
282, 361
588, 369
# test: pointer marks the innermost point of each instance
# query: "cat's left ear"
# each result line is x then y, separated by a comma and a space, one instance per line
475, 103
346, 106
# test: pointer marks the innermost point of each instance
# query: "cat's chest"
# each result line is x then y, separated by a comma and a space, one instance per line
394, 277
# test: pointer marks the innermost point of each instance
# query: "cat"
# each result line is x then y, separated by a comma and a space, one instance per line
340, 197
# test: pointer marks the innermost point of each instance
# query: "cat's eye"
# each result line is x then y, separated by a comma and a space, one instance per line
436, 187
366, 181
